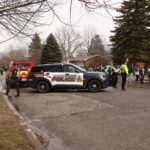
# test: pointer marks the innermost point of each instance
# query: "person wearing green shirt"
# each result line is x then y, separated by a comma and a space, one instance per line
124, 74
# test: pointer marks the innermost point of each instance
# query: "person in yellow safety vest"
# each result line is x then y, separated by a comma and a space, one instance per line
115, 73
124, 74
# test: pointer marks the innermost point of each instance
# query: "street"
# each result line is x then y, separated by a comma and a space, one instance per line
101, 47
78, 120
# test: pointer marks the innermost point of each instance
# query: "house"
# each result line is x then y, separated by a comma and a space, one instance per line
92, 60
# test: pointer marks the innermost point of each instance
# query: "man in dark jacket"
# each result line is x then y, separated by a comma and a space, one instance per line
13, 79
124, 74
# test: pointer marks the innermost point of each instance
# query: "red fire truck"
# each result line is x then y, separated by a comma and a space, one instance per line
24, 67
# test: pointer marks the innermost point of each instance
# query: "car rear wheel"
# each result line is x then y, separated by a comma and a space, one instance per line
42, 87
94, 86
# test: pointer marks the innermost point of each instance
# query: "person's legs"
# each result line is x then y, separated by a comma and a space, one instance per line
115, 80
137, 78
7, 87
110, 80
17, 88
123, 81
142, 79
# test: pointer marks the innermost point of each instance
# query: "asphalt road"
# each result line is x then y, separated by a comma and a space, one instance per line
79, 120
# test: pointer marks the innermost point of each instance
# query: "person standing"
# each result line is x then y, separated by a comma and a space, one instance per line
148, 74
142, 73
137, 73
130, 79
115, 72
13, 79
124, 74
148, 71
102, 68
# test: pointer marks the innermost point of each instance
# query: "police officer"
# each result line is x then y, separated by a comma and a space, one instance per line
13, 79
124, 74
115, 72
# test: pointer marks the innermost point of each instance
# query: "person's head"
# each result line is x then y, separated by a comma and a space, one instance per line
15, 65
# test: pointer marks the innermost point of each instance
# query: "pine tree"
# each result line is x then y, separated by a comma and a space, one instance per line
35, 49
51, 52
96, 46
132, 30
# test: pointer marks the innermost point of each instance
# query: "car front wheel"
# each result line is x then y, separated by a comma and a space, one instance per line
42, 87
94, 86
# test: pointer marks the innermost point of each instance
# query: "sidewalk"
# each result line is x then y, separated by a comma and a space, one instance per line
134, 84
11, 135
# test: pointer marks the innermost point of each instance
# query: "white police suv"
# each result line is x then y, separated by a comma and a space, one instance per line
67, 76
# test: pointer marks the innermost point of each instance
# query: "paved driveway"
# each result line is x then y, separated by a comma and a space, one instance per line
78, 120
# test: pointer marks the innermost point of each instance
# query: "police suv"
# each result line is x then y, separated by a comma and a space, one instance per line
55, 76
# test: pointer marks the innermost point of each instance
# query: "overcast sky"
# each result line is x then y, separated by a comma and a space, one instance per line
100, 20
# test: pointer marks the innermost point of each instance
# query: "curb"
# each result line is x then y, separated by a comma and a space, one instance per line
35, 142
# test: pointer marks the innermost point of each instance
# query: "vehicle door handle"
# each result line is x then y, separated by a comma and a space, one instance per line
67, 74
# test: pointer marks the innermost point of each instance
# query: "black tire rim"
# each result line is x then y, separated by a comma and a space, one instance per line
43, 87
94, 86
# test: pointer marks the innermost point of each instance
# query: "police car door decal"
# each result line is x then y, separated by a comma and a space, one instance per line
57, 78
73, 79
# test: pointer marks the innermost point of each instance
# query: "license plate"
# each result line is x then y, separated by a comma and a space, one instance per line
23, 79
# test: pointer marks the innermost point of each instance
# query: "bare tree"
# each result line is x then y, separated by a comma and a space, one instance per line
87, 36
70, 42
94, 4
13, 54
18, 16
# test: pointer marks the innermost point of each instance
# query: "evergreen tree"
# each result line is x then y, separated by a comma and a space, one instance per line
131, 34
96, 46
51, 52
35, 49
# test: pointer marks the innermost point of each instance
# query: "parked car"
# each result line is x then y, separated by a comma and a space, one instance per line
49, 76
24, 67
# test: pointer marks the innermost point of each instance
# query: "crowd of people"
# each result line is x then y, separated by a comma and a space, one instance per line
128, 74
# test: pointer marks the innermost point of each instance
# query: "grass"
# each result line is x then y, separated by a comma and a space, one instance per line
11, 134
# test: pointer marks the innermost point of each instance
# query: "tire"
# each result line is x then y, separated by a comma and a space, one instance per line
94, 86
43, 87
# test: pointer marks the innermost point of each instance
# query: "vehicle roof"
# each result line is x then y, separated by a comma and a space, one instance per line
53, 64
22, 61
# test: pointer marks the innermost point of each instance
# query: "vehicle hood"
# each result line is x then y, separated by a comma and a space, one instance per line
95, 73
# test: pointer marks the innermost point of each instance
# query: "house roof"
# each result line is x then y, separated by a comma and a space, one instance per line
84, 58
